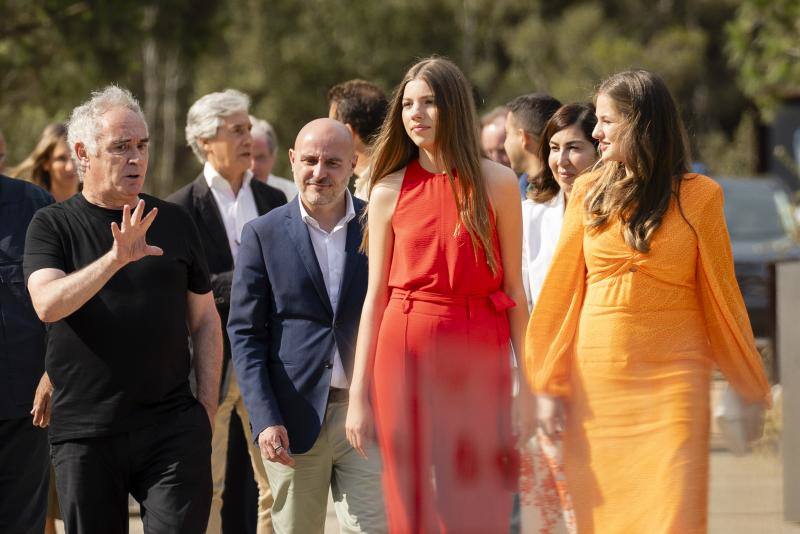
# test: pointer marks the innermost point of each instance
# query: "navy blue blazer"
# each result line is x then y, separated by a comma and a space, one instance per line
282, 327
22, 343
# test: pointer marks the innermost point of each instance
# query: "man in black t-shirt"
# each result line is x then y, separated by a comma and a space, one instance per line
120, 279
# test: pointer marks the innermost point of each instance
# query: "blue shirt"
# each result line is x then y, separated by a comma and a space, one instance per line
21, 332
523, 185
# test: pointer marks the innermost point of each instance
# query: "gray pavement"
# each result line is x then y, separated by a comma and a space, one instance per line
746, 497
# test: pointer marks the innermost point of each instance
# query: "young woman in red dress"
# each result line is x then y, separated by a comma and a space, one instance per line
445, 300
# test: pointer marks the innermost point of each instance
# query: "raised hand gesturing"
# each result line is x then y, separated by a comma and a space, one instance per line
130, 243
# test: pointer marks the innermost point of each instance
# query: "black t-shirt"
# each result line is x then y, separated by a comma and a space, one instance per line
121, 361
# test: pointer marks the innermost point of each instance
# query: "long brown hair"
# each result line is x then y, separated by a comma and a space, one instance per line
32, 167
457, 146
655, 154
544, 186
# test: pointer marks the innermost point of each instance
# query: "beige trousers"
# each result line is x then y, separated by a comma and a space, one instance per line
219, 452
301, 493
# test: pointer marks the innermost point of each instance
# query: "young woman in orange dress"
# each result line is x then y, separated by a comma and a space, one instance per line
639, 304
444, 303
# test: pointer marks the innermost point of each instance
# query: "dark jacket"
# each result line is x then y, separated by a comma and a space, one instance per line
282, 326
198, 199
21, 332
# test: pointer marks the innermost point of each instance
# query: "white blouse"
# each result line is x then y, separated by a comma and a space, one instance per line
541, 226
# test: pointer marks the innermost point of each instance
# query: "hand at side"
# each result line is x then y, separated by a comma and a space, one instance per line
274, 444
41, 402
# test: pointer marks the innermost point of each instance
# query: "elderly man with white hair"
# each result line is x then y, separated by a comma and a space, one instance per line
265, 151
120, 278
221, 200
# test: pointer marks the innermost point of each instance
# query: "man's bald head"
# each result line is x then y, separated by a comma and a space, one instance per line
329, 129
322, 160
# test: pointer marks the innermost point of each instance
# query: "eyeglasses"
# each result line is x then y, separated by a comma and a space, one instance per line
125, 147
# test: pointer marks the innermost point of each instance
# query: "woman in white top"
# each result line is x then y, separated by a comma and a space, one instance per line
568, 149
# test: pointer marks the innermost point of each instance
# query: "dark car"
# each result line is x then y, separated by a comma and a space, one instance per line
763, 232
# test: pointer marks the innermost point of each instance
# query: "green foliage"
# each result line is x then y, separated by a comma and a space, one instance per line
764, 47
732, 156
286, 54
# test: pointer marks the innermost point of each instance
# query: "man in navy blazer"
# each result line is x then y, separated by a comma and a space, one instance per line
298, 288
24, 454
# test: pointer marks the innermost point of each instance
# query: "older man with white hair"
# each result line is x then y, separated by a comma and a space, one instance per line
221, 200
120, 278
265, 151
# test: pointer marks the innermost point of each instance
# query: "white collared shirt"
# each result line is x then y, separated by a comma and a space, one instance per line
236, 210
329, 248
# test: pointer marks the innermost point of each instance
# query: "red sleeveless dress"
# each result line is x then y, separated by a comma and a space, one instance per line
442, 372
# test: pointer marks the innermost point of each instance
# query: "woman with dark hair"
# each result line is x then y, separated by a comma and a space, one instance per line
50, 165
639, 304
440, 311
567, 149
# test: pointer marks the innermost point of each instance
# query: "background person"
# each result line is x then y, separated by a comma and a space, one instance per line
569, 150
221, 200
264, 155
120, 277
639, 303
527, 115
24, 454
440, 312
361, 106
493, 135
50, 165
298, 289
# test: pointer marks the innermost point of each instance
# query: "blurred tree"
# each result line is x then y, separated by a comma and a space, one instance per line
287, 54
54, 52
34, 90
764, 48
733, 155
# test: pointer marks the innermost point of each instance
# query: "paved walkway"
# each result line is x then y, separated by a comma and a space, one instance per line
745, 497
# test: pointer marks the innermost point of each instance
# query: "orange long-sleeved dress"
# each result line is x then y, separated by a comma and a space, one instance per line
628, 340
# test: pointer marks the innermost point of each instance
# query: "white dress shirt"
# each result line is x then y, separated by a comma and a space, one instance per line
236, 210
541, 226
329, 247
284, 184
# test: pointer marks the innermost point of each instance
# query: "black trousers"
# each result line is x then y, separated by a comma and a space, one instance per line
240, 495
166, 467
24, 476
